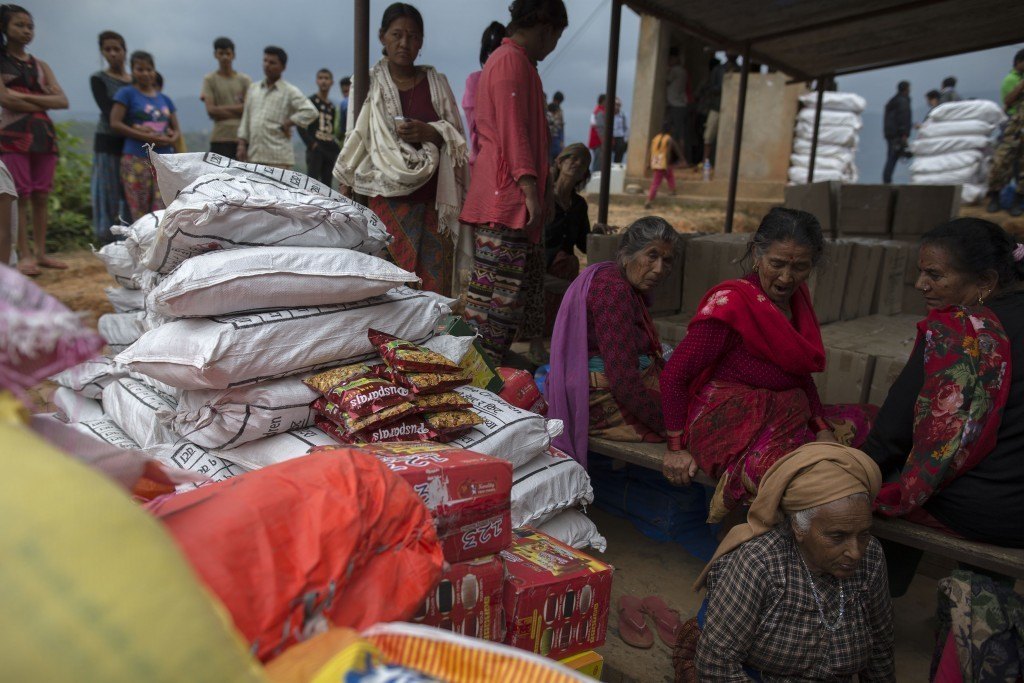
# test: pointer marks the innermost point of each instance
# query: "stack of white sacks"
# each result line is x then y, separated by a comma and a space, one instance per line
252, 280
954, 146
838, 137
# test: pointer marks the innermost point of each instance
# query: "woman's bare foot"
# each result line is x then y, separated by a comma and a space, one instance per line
48, 262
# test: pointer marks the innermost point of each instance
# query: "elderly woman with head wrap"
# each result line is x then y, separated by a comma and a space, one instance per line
605, 353
799, 592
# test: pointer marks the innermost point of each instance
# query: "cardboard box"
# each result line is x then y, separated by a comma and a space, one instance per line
820, 199
862, 278
475, 361
847, 376
919, 208
556, 598
888, 299
468, 493
468, 599
671, 330
711, 259
912, 301
589, 664
602, 248
886, 372
865, 209
827, 282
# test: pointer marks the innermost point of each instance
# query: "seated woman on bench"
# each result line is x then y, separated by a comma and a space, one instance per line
737, 392
950, 435
605, 353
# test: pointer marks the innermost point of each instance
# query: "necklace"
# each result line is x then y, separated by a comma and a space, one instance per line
817, 600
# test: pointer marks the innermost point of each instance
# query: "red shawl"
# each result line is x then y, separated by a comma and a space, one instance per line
960, 407
794, 347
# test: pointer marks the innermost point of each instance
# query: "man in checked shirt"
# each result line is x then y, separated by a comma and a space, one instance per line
272, 107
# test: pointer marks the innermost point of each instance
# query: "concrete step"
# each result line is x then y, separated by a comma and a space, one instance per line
753, 205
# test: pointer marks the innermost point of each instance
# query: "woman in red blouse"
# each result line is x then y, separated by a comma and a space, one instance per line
737, 393
505, 200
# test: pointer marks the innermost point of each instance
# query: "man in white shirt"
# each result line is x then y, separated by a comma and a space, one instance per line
272, 107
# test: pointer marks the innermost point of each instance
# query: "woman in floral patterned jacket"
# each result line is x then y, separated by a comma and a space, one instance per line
737, 393
950, 436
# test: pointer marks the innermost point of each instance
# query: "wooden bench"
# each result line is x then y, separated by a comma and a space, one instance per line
1008, 561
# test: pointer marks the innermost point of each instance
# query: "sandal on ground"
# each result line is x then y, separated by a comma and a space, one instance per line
633, 628
666, 619
29, 268
47, 262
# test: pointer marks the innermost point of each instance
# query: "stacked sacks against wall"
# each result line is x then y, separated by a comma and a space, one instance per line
838, 137
954, 146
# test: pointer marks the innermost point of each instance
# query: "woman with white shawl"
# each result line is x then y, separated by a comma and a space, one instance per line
407, 153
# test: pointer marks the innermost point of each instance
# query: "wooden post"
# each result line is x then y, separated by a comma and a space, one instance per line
737, 140
609, 112
361, 58
817, 126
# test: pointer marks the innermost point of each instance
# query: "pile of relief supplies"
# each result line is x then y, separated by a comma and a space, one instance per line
838, 137
258, 330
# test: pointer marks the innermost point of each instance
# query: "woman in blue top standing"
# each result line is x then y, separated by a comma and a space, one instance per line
143, 115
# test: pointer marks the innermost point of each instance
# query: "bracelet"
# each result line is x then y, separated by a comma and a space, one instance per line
818, 424
675, 443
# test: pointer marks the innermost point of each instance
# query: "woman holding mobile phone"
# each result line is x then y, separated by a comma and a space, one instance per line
407, 153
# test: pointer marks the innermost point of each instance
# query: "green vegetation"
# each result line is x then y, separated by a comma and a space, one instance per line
70, 202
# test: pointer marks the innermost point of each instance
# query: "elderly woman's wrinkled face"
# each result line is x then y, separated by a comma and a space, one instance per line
837, 538
571, 169
783, 267
942, 284
646, 268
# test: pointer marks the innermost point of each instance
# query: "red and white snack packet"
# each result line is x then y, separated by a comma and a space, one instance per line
366, 396
405, 356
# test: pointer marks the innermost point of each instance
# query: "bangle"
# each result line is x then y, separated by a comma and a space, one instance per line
675, 442
818, 424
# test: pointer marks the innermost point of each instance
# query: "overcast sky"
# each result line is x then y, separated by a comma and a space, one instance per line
318, 33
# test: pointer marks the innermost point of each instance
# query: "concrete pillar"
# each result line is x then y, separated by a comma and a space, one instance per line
648, 95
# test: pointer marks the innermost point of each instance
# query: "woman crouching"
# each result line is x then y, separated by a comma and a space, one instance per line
606, 355
799, 592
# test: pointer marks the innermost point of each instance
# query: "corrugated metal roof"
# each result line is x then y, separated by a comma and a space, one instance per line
811, 38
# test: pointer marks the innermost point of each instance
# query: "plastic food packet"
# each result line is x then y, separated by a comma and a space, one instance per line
439, 403
420, 383
328, 379
451, 424
344, 423
366, 395
413, 428
406, 356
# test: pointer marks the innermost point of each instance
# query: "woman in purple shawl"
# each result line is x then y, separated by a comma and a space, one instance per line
605, 352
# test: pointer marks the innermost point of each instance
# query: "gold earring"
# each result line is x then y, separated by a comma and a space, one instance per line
981, 299
755, 267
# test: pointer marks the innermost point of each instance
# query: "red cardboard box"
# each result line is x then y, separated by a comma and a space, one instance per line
556, 598
468, 493
468, 600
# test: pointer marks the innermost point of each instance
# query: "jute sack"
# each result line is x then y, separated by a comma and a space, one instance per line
507, 432
574, 528
274, 449
91, 377
229, 351
545, 486
266, 278
230, 418
231, 212
140, 411
121, 330
126, 300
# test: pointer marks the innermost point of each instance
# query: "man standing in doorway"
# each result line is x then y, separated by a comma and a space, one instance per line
321, 143
1008, 153
223, 94
897, 128
272, 107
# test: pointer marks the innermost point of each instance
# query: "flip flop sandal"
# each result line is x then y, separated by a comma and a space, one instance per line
29, 271
47, 262
666, 619
633, 628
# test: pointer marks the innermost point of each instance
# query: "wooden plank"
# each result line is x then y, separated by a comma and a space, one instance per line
1009, 561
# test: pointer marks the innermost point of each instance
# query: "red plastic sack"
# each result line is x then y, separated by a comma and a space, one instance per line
327, 539
521, 391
